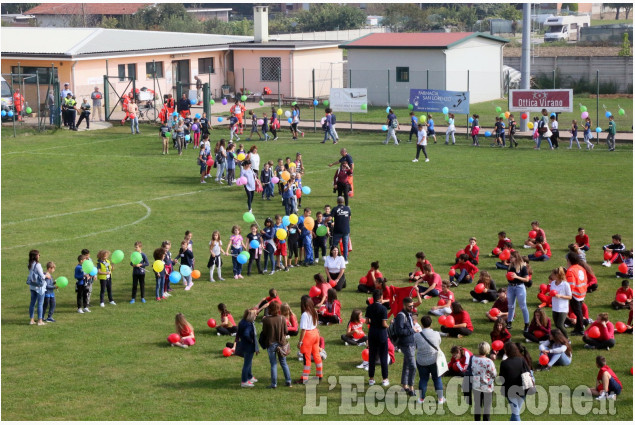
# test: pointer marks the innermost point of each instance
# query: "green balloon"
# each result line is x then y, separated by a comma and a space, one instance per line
87, 266
501, 116
245, 254
28, 110
326, 103
411, 107
261, 103
243, 97
321, 230
423, 119
364, 106
211, 101
583, 108
498, 109
61, 282
294, 103
117, 256
168, 135
135, 257
621, 111
249, 217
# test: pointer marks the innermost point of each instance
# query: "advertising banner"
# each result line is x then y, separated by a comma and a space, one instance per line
537, 100
348, 100
457, 102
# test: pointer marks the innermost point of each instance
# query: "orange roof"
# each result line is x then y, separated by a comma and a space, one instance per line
89, 9
414, 40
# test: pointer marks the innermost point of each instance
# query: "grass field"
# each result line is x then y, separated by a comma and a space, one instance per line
66, 191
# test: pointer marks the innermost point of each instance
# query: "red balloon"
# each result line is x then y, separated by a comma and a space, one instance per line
497, 345
532, 234
174, 338
621, 298
543, 288
479, 289
539, 334
365, 354
620, 327
210, 162
459, 252
298, 193
332, 283
505, 254
631, 371
211, 323
315, 292
510, 276
494, 312
623, 268
594, 332
363, 280
543, 360
449, 322
441, 302
553, 293
97, 96
227, 352
371, 301
607, 256
442, 320
452, 272
523, 116
496, 251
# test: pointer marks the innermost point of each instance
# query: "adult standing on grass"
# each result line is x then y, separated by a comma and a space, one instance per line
274, 330
392, 124
345, 157
482, 382
309, 340
37, 285
516, 289
511, 370
96, 96
577, 277
247, 343
133, 113
405, 329
183, 106
428, 343
341, 226
377, 320
250, 186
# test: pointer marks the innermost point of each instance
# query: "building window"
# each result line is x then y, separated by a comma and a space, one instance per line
121, 72
270, 69
28, 74
403, 74
206, 65
132, 71
154, 69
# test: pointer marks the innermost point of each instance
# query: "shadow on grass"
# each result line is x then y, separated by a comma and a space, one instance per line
212, 383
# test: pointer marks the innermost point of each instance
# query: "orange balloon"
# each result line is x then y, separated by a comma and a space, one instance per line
309, 223
196, 274
285, 176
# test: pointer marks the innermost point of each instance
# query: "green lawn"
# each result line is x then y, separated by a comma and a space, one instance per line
66, 191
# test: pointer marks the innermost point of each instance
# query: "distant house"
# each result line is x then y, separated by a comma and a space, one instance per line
206, 14
81, 14
374, 20
390, 64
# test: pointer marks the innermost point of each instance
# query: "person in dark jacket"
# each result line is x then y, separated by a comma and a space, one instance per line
511, 370
248, 344
183, 106
274, 330
405, 330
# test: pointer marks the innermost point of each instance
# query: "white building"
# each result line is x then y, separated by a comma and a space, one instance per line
391, 64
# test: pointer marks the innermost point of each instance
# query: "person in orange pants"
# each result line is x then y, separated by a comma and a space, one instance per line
125, 101
309, 341
18, 104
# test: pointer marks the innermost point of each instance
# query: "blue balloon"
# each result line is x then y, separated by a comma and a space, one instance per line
175, 277
193, 101
219, 119
315, 103
388, 110
175, 114
445, 110
470, 120
187, 137
242, 259
598, 129
93, 272
488, 133
384, 127
254, 244
607, 114
306, 190
553, 114
4, 113
185, 270
290, 120
285, 220
10, 113
197, 116
284, 241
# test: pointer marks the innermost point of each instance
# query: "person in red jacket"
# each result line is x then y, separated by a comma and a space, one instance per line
462, 323
608, 386
472, 251
459, 362
539, 328
355, 329
606, 340
582, 239
499, 333
18, 104
543, 250
465, 271
292, 320
330, 312
623, 291
543, 296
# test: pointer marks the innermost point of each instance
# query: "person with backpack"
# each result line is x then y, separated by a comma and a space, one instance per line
327, 126
404, 330
428, 343
392, 124
377, 320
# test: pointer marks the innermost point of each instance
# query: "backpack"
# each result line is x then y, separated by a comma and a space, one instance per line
333, 119
220, 159
392, 330
395, 123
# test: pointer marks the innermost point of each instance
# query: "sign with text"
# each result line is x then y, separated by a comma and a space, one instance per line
537, 100
348, 100
457, 102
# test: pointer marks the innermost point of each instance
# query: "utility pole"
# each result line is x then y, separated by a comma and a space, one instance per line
525, 67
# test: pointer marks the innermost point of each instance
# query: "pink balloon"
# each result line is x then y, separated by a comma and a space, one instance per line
584, 115
275, 180
260, 122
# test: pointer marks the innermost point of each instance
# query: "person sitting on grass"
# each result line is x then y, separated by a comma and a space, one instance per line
582, 239
433, 279
292, 320
355, 330
421, 261
608, 385
614, 252
539, 327
605, 329
446, 298
330, 311
500, 304
367, 283
489, 293
266, 301
543, 250
472, 251
557, 348
623, 296
504, 264
499, 333
185, 331
464, 271
462, 323
459, 362
227, 324
535, 227
501, 245
628, 260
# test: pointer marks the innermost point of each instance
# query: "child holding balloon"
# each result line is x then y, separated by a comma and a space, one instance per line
184, 331
169, 264
600, 334
159, 272
446, 298
215, 260
236, 246
139, 262
49, 296
623, 296
625, 270
186, 258
587, 133
255, 251
268, 234
104, 272
499, 333
557, 349
539, 327
281, 245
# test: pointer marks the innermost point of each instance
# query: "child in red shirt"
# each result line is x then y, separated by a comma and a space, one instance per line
433, 280
330, 312
227, 324
472, 251
367, 283
446, 298
499, 333
292, 320
535, 227
185, 331
264, 303
460, 361
501, 245
624, 291
582, 239
500, 304
465, 271
355, 329
543, 250
607, 333
608, 385
462, 323
421, 261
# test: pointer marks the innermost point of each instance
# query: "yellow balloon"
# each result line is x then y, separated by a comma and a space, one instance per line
279, 112
158, 266
309, 223
241, 156
293, 219
530, 125
285, 176
281, 234
292, 164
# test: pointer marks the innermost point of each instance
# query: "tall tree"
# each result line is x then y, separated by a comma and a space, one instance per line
328, 16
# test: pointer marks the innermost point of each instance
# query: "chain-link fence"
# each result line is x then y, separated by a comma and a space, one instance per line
26, 95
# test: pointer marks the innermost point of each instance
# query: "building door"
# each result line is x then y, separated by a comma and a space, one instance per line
181, 77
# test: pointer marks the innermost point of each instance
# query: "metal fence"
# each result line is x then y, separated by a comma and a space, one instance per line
27, 97
611, 33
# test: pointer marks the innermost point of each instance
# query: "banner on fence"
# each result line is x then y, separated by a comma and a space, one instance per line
349, 100
457, 102
537, 100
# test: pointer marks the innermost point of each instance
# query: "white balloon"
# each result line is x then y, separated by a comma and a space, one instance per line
287, 114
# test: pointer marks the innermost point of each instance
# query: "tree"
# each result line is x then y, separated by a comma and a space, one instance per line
11, 8
618, 7
109, 22
626, 46
328, 16
406, 17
